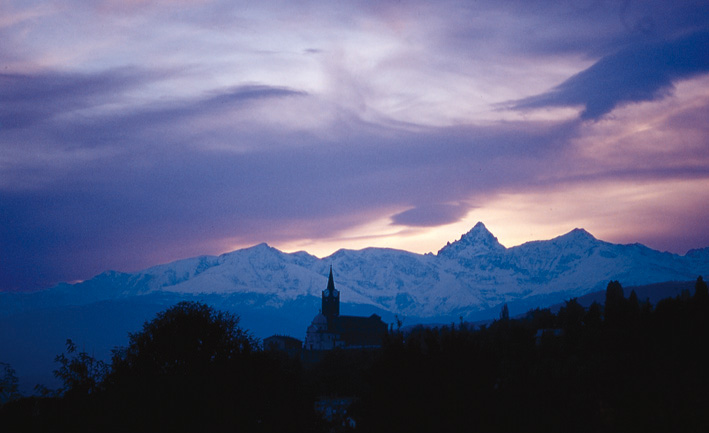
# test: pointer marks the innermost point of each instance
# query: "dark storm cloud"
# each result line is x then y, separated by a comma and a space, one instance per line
636, 74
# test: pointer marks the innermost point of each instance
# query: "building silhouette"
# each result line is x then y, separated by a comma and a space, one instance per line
329, 330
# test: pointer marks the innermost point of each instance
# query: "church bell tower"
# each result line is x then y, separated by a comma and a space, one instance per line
330, 299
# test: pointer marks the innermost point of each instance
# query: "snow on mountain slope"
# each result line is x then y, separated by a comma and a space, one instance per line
477, 242
472, 274
575, 260
394, 280
260, 269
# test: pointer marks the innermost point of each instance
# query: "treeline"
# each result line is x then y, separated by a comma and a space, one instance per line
623, 366
191, 369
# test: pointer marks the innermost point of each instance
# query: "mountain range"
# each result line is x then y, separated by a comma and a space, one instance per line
277, 292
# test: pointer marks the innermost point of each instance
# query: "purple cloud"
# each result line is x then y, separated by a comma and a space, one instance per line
233, 132
431, 215
26, 99
639, 73
172, 200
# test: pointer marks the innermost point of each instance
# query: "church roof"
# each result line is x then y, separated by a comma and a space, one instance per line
359, 331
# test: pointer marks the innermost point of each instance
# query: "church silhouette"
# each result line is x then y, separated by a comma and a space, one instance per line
329, 330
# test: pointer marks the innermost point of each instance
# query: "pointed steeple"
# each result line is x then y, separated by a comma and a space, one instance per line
330, 298
330, 282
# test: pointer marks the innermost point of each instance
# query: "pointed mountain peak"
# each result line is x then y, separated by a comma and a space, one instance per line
578, 235
479, 234
478, 241
259, 250
479, 229
263, 247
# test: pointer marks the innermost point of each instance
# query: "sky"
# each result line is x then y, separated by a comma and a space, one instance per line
134, 133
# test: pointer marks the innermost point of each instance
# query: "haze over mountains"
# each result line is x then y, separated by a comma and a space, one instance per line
276, 292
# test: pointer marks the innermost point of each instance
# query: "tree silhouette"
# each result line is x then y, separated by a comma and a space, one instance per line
571, 315
615, 303
186, 338
700, 290
9, 388
192, 368
593, 316
81, 373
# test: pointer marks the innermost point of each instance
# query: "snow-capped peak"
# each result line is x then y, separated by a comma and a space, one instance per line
577, 232
576, 239
578, 236
478, 241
